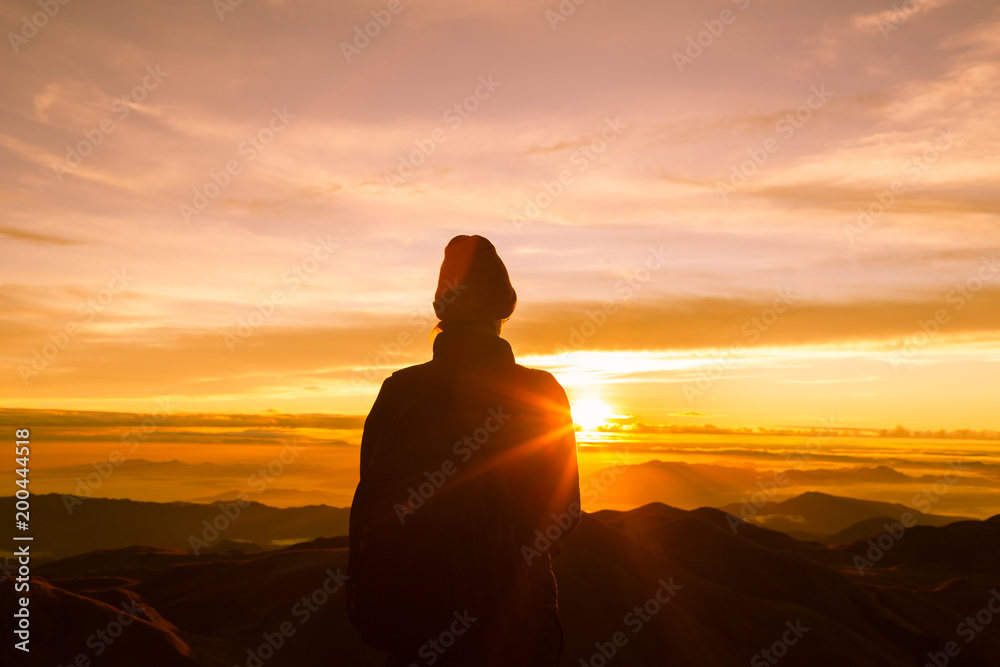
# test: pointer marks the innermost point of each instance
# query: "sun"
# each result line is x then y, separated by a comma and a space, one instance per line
590, 413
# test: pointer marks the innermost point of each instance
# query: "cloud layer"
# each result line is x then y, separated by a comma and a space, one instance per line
175, 177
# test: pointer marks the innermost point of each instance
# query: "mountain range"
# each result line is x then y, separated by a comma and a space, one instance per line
742, 593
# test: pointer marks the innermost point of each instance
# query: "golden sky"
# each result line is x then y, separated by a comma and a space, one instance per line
246, 210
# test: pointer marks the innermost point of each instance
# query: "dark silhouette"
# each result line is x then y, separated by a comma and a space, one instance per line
469, 480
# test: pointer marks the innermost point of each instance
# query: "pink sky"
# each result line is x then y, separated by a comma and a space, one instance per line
310, 208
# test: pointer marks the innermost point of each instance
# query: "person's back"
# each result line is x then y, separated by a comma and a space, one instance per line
468, 473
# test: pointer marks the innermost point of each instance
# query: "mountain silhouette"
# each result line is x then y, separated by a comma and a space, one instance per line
693, 485
813, 515
736, 593
101, 523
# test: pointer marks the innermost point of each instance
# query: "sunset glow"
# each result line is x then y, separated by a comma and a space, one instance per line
796, 228
590, 413
501, 332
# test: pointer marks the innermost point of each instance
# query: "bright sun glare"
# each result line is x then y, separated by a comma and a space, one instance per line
590, 413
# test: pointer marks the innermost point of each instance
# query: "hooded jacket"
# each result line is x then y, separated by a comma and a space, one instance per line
508, 419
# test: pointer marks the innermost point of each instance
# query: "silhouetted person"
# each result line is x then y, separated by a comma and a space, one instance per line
468, 481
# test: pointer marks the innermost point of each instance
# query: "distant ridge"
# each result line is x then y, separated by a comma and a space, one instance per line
737, 591
102, 523
821, 516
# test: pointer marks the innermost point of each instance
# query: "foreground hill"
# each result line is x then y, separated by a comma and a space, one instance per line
739, 592
68, 525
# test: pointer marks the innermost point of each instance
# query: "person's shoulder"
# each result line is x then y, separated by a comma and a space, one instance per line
410, 373
536, 373
537, 377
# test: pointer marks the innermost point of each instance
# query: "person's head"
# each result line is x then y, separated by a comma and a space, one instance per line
473, 286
